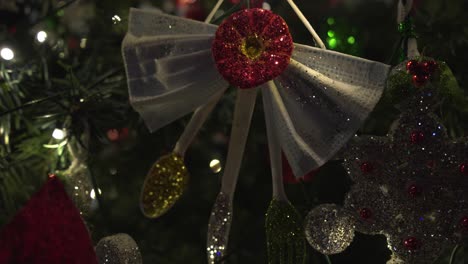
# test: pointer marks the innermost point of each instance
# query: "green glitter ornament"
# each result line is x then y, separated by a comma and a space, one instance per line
285, 237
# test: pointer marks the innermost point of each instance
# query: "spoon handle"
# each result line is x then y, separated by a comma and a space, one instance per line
198, 118
274, 147
245, 104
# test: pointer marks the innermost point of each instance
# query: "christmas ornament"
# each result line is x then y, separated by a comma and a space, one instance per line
317, 98
118, 249
329, 229
252, 47
416, 192
219, 226
164, 185
285, 239
79, 185
78, 176
48, 229
283, 224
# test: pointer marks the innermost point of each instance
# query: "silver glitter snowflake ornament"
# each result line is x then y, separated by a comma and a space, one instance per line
410, 185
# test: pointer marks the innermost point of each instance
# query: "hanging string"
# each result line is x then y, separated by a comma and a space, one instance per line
406, 29
307, 24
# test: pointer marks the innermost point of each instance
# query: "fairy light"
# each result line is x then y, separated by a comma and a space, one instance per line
330, 21
83, 43
58, 134
7, 54
332, 42
215, 165
331, 33
41, 36
116, 19
351, 40
92, 194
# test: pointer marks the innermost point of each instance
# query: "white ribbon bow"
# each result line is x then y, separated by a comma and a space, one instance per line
317, 103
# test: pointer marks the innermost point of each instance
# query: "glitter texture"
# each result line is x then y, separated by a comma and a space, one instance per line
251, 47
79, 186
48, 229
218, 228
329, 229
163, 186
416, 192
285, 238
118, 249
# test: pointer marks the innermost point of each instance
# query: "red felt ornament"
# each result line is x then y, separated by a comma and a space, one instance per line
48, 229
252, 47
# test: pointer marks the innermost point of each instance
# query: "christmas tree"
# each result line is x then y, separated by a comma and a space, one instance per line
65, 110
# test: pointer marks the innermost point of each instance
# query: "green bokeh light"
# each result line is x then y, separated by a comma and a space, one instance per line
351, 40
332, 43
330, 21
331, 33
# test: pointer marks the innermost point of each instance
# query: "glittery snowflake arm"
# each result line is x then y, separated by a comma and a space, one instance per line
320, 101
169, 67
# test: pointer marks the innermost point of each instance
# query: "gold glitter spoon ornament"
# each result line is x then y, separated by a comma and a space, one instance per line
283, 224
163, 185
168, 177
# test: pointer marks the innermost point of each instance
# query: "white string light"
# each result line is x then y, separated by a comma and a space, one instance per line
7, 54
92, 194
58, 134
116, 19
41, 36
215, 165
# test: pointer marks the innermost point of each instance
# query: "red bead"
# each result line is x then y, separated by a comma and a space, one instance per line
365, 213
412, 243
429, 67
464, 169
367, 167
113, 134
464, 223
417, 137
414, 190
420, 79
413, 67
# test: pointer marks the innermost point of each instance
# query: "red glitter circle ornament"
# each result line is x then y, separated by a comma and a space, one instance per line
252, 47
